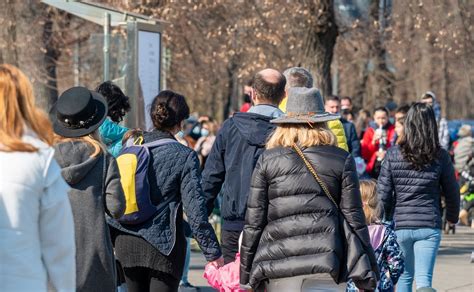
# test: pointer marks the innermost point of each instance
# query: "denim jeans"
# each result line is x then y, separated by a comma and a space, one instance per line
184, 278
420, 247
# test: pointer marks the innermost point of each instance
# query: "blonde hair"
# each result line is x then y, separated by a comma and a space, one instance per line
131, 134
18, 112
92, 139
368, 192
305, 135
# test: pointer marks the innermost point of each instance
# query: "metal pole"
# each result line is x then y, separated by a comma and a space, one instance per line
335, 77
76, 63
106, 46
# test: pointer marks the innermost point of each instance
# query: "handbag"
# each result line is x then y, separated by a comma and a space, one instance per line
360, 263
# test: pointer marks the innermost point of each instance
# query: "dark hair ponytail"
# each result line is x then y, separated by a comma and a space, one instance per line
420, 142
168, 110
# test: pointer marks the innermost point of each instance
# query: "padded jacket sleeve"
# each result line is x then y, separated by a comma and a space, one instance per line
367, 148
364, 276
386, 189
255, 220
351, 202
214, 171
337, 129
194, 204
450, 188
56, 231
353, 140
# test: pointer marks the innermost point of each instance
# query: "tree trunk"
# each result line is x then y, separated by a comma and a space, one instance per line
8, 48
320, 45
383, 77
50, 58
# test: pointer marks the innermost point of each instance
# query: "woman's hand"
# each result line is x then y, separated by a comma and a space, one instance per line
218, 263
381, 154
376, 138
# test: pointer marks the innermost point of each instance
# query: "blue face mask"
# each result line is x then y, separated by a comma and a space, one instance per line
391, 120
180, 135
196, 130
204, 132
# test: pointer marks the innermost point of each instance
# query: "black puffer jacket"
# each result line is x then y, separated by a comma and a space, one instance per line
291, 227
412, 198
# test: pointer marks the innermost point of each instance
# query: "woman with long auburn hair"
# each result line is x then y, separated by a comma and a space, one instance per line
292, 240
36, 224
413, 176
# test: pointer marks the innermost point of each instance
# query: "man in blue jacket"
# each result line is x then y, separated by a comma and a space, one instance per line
238, 145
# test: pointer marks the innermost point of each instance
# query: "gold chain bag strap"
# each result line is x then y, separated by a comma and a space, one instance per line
316, 176
353, 243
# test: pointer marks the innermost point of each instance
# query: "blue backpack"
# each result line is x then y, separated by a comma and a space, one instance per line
133, 163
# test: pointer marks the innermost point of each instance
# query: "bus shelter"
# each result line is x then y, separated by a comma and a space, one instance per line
131, 58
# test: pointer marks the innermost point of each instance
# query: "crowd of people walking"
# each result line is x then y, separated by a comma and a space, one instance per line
312, 195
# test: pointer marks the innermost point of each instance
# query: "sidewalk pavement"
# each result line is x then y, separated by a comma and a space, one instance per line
453, 270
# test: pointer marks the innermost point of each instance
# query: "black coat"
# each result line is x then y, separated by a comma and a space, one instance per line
291, 227
412, 198
230, 164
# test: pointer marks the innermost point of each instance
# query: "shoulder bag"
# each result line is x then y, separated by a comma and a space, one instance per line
360, 264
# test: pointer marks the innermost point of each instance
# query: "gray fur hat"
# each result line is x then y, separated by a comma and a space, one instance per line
305, 105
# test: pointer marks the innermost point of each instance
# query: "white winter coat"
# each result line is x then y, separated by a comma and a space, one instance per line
36, 225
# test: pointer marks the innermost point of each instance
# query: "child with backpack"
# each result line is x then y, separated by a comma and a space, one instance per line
383, 240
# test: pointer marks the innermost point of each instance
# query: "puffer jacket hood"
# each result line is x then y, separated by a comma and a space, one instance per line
254, 127
75, 160
287, 209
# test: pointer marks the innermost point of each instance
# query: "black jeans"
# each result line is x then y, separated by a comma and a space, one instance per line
140, 279
230, 244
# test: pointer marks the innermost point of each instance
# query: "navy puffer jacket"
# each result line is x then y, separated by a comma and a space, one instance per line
412, 198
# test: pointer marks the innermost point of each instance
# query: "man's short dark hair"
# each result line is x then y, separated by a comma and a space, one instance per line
269, 91
382, 109
347, 98
403, 109
333, 98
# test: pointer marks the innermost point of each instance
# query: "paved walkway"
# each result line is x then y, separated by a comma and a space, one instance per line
453, 270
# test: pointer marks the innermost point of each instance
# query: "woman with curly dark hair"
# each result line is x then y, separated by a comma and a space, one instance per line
414, 175
110, 131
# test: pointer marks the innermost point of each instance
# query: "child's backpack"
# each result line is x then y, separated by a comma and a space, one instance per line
133, 162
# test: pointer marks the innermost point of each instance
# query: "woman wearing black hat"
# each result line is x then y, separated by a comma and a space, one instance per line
302, 190
153, 252
94, 178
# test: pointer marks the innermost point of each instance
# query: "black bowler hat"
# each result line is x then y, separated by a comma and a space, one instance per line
78, 112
